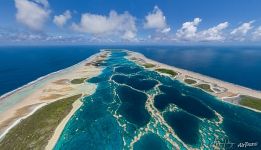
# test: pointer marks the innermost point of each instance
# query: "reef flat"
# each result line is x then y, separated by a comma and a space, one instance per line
136, 107
226, 91
20, 109
141, 104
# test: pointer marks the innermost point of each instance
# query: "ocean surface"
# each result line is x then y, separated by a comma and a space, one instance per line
141, 109
240, 65
235, 64
21, 65
137, 108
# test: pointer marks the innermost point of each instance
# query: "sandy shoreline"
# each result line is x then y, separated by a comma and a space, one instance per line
45, 90
58, 131
18, 120
45, 77
55, 86
228, 92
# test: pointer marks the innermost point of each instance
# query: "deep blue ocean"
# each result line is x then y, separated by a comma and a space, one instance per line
20, 65
239, 65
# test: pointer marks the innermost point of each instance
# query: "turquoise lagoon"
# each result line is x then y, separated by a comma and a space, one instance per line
136, 108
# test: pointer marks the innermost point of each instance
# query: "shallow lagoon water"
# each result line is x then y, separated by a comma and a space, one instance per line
123, 115
150, 142
236, 64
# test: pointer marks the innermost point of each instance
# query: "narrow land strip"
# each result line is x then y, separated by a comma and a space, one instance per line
54, 88
35, 131
229, 92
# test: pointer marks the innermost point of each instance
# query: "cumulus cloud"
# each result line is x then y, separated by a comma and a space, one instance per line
257, 34
61, 20
165, 30
122, 25
33, 13
213, 34
240, 32
129, 35
156, 20
45, 3
19, 36
188, 30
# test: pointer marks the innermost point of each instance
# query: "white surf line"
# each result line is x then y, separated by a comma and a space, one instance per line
11, 98
32, 83
257, 93
49, 75
143, 57
231, 97
20, 119
89, 59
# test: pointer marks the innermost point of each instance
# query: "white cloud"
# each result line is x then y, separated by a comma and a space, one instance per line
156, 20
214, 33
257, 34
62, 19
165, 30
129, 35
24, 37
188, 30
32, 13
42, 2
122, 25
240, 32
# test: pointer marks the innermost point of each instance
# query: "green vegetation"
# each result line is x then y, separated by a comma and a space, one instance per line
148, 65
251, 102
167, 71
190, 81
78, 81
133, 58
205, 87
35, 131
97, 63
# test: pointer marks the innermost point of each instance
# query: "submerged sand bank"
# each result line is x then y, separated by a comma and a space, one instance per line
57, 86
20, 103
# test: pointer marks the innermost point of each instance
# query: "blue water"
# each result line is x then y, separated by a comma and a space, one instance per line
241, 65
21, 65
235, 64
150, 142
118, 112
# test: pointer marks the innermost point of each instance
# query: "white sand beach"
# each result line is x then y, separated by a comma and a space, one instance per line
227, 90
58, 131
22, 102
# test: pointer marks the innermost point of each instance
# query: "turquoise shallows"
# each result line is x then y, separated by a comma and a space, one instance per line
133, 107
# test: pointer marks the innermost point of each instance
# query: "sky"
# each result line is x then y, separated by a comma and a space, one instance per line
130, 21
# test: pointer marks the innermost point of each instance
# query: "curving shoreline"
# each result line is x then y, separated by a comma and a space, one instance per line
50, 75
45, 90
231, 92
20, 119
58, 131
52, 89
